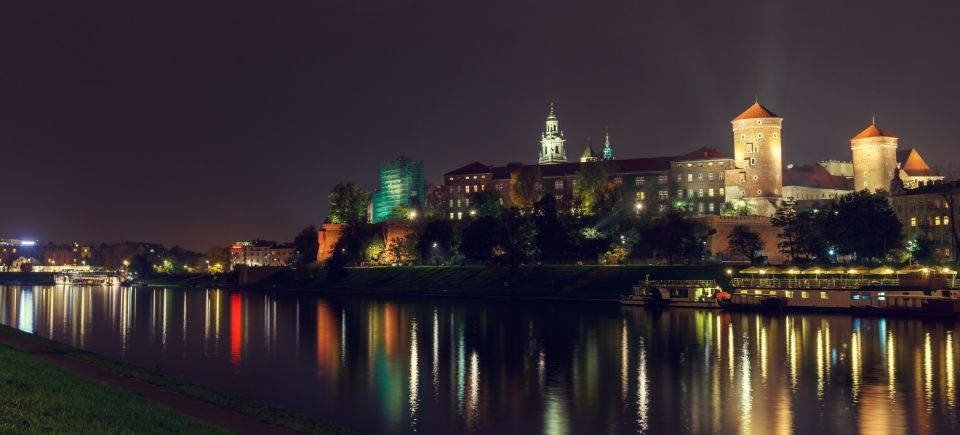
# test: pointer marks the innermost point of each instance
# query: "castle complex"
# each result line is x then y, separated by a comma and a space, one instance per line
704, 181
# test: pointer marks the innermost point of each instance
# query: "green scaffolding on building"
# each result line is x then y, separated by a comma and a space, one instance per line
401, 184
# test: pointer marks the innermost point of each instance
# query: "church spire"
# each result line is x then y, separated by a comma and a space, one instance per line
607, 151
551, 141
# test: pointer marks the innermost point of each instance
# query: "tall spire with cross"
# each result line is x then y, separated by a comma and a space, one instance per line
607, 151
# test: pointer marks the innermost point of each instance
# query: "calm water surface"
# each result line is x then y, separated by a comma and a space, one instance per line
441, 366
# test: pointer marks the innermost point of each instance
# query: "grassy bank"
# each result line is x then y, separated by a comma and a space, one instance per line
28, 386
38, 397
194, 280
601, 282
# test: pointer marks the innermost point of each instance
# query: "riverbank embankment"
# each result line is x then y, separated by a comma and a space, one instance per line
561, 282
48, 387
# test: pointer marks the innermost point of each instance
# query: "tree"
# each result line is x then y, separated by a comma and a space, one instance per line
402, 249
514, 238
677, 238
551, 239
219, 258
436, 239
478, 239
744, 242
486, 203
403, 211
525, 187
433, 200
305, 246
863, 224
594, 193
348, 204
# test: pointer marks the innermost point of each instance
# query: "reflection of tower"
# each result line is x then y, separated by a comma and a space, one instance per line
551, 141
874, 158
757, 154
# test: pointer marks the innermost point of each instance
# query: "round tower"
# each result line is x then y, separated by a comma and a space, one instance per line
874, 158
757, 154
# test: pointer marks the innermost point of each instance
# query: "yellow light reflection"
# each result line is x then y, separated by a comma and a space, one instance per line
950, 375
643, 393
928, 372
856, 365
414, 396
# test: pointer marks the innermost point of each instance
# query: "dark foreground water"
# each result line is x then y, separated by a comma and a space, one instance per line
445, 366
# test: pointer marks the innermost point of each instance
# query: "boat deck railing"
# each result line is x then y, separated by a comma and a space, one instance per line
680, 283
812, 283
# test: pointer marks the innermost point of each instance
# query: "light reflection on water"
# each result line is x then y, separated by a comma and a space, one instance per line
441, 366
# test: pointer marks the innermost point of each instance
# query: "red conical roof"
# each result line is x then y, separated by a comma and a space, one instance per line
872, 131
756, 111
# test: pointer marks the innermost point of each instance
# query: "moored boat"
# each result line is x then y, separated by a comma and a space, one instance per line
923, 295
685, 293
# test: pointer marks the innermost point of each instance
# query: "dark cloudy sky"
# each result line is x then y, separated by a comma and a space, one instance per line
202, 122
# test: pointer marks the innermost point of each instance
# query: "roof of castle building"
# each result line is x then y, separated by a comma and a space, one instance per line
872, 130
815, 176
914, 165
473, 168
756, 111
589, 153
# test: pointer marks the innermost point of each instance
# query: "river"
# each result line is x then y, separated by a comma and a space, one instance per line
404, 365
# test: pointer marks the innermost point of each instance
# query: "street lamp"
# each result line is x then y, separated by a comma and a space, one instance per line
412, 215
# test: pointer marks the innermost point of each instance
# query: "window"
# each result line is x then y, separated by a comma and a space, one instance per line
804, 295
680, 193
758, 292
639, 181
743, 137
460, 215
756, 149
788, 293
700, 176
663, 194
759, 121
937, 221
641, 196
679, 178
946, 220
499, 187
458, 202
700, 208
913, 222
558, 185
576, 182
689, 193
618, 181
741, 123
459, 189
662, 179
451, 189
855, 296
756, 177
720, 191
759, 192
476, 188
467, 188
689, 177
720, 175
467, 200
452, 215
710, 192
710, 176
710, 207
753, 161
775, 136
451, 203
699, 193
823, 295
759, 135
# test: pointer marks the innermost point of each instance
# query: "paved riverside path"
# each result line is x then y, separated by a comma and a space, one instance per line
198, 409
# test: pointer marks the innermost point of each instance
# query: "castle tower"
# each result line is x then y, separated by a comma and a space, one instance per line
551, 141
874, 158
589, 155
758, 177
607, 151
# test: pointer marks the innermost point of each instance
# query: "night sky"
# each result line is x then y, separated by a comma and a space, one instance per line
203, 122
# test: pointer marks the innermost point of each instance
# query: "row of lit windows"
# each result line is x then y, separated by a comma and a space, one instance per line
710, 177
699, 165
699, 193
789, 294
470, 177
932, 221
476, 188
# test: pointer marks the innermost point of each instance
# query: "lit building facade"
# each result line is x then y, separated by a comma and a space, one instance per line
260, 253
928, 212
401, 184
